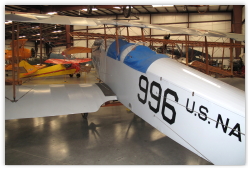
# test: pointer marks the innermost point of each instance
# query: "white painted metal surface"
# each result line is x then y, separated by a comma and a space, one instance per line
54, 99
199, 112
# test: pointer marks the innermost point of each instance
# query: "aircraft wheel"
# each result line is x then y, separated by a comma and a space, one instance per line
78, 75
70, 75
85, 115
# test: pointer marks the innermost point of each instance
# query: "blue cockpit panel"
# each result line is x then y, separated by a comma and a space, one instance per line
112, 48
141, 58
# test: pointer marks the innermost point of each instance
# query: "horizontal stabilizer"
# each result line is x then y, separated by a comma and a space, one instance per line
55, 99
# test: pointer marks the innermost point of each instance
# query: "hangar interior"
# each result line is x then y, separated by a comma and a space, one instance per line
114, 135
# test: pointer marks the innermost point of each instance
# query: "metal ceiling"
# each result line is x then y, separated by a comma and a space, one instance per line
55, 34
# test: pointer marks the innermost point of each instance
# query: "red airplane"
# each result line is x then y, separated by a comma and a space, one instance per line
72, 63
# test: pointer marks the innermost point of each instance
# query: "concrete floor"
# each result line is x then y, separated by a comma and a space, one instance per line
110, 136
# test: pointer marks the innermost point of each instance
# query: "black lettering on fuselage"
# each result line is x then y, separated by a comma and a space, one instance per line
190, 111
224, 127
203, 116
166, 104
157, 95
157, 98
143, 89
236, 131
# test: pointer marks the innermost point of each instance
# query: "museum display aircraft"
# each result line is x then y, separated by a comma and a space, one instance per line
66, 60
23, 53
31, 71
19, 51
201, 113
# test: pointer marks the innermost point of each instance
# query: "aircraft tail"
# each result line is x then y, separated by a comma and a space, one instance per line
29, 69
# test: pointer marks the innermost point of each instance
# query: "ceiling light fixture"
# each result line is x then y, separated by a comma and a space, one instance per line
22, 36
155, 6
52, 13
7, 22
56, 31
93, 9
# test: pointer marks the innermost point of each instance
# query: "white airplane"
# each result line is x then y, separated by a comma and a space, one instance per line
203, 114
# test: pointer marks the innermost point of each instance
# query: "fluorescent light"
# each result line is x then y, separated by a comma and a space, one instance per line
52, 13
117, 7
161, 5
93, 9
57, 31
7, 22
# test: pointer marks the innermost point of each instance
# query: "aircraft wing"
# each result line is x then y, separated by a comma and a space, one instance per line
67, 61
56, 99
74, 50
58, 19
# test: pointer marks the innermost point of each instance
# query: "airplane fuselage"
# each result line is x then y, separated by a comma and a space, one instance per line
199, 112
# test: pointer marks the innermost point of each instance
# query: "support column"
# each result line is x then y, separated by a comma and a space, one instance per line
222, 58
105, 39
13, 62
36, 48
231, 60
87, 41
127, 34
186, 39
17, 52
117, 42
143, 38
237, 25
150, 30
48, 48
68, 29
41, 47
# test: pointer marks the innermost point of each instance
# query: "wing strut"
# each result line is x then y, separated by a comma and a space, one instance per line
13, 63
206, 51
117, 42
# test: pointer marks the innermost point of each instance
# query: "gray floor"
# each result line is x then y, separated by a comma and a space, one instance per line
111, 136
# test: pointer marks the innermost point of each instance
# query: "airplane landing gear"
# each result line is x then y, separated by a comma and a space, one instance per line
78, 75
70, 75
85, 115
